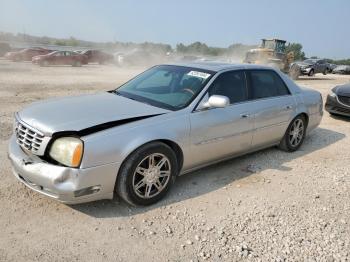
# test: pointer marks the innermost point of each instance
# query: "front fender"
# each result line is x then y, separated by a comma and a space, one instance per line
115, 144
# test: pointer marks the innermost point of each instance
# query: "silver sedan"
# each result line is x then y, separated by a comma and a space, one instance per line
169, 120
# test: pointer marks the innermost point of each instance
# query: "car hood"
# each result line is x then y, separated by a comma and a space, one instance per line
303, 64
83, 112
343, 90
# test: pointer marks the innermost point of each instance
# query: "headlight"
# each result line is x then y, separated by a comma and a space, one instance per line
67, 151
332, 94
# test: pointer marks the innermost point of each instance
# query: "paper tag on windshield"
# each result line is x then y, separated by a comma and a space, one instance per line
199, 74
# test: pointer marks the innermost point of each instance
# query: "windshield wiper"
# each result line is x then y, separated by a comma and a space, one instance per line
123, 95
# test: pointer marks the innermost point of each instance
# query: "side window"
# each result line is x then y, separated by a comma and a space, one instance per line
266, 83
231, 84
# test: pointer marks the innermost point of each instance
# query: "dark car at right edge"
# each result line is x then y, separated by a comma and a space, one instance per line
338, 101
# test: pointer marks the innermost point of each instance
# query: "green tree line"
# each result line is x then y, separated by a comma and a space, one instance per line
196, 48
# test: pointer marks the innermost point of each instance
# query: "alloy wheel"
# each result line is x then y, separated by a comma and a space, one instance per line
296, 132
151, 175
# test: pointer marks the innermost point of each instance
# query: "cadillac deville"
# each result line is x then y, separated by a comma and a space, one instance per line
169, 120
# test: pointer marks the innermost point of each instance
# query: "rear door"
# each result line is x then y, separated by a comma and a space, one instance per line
220, 132
323, 66
273, 106
68, 58
90, 55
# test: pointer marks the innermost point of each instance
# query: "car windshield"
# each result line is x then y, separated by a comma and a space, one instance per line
166, 86
54, 52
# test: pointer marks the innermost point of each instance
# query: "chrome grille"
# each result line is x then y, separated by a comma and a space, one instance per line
30, 138
344, 100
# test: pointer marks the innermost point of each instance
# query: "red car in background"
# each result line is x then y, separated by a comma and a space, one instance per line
26, 54
61, 58
97, 56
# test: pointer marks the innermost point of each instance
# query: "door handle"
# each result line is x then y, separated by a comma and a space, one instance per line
288, 107
245, 115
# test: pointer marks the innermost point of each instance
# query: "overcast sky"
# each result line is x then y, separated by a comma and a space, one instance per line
322, 27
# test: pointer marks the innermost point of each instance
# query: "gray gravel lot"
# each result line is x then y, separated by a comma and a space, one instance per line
266, 206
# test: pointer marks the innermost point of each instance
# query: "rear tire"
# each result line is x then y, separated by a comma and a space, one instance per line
325, 71
77, 64
147, 174
295, 135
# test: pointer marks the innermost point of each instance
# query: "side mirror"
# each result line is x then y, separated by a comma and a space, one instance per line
216, 101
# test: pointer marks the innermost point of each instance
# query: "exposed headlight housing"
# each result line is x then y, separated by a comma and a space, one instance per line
332, 94
67, 151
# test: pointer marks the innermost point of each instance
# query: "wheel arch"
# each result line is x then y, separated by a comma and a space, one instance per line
305, 115
170, 143
178, 151
300, 113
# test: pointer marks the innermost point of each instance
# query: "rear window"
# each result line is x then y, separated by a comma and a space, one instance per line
266, 83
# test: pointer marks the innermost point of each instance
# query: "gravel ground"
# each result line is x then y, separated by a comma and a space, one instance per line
266, 206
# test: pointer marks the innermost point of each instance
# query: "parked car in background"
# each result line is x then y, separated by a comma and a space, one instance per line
169, 120
332, 67
342, 70
97, 56
338, 100
4, 48
61, 58
27, 54
313, 66
139, 58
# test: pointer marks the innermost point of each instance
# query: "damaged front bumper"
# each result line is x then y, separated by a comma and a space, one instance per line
305, 70
65, 184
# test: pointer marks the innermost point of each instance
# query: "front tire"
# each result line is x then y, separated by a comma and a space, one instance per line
147, 174
77, 64
44, 63
312, 72
295, 135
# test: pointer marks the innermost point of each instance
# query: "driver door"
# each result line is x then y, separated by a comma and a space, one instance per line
59, 58
68, 58
217, 133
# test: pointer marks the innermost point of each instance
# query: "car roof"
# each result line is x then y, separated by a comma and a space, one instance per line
315, 59
218, 66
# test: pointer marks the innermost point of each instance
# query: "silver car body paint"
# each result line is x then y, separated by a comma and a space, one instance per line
203, 136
